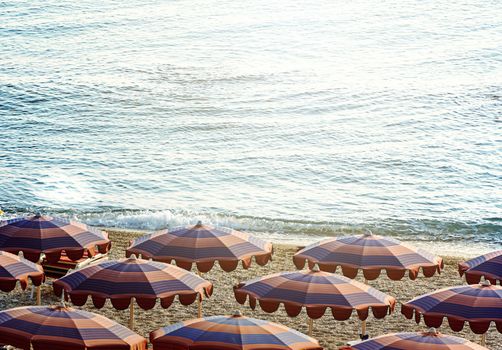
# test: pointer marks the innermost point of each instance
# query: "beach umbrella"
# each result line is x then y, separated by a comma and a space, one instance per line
316, 291
230, 333
202, 245
14, 268
488, 266
125, 279
63, 328
371, 254
39, 234
478, 305
431, 340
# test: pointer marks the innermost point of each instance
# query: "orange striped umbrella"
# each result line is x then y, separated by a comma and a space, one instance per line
479, 305
230, 333
316, 291
39, 234
125, 279
63, 328
431, 340
14, 268
488, 266
202, 245
371, 254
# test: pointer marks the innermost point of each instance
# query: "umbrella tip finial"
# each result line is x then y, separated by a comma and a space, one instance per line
20, 254
199, 223
486, 283
237, 313
133, 257
368, 233
432, 331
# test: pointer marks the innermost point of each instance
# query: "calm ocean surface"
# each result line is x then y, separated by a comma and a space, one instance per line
294, 120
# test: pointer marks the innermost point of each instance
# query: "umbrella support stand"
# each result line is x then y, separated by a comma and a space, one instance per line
39, 295
310, 323
363, 334
199, 300
483, 339
131, 314
199, 307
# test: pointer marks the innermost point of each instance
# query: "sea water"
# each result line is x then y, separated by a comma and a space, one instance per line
294, 120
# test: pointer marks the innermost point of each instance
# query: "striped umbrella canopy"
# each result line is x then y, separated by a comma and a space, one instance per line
63, 328
14, 268
316, 291
230, 333
488, 266
371, 254
121, 280
431, 340
39, 234
202, 245
479, 305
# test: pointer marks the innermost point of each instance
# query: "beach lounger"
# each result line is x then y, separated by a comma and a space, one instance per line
61, 268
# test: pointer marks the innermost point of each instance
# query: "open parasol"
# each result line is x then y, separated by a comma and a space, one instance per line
488, 266
63, 328
14, 268
316, 291
478, 305
40, 234
431, 340
123, 280
230, 333
202, 245
371, 254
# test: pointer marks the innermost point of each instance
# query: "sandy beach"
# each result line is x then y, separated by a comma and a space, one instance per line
329, 332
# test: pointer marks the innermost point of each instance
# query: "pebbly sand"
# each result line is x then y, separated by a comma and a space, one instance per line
329, 332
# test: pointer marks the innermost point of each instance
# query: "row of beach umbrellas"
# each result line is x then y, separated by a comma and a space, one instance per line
61, 328
146, 281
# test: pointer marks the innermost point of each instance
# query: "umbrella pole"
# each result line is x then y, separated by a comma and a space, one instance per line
483, 339
199, 307
363, 323
310, 323
131, 314
199, 299
39, 295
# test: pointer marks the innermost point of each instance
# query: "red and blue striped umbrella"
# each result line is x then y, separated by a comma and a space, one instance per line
62, 328
124, 279
202, 245
39, 234
316, 291
431, 340
371, 254
121, 280
488, 266
14, 268
479, 305
230, 333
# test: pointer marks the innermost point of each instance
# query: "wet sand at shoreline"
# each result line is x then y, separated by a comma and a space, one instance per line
329, 332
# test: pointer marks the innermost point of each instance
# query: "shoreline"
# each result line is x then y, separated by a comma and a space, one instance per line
330, 333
